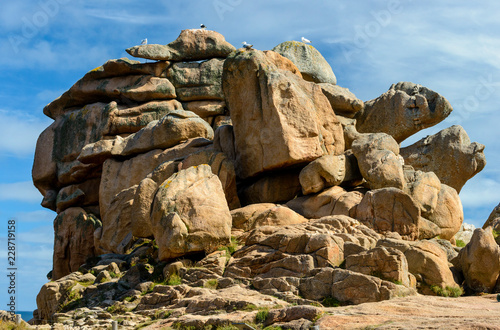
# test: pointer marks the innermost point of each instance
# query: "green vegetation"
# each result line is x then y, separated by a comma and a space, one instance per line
211, 284
448, 291
331, 302
250, 307
262, 315
117, 309
231, 248
460, 243
174, 279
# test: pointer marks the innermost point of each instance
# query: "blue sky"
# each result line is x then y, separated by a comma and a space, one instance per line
452, 47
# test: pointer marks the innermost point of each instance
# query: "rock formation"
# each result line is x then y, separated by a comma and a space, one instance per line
250, 173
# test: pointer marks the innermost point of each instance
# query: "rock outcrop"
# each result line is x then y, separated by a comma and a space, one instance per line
449, 154
214, 183
402, 111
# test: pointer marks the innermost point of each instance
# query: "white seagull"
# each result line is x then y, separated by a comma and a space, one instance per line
202, 26
306, 41
247, 46
144, 41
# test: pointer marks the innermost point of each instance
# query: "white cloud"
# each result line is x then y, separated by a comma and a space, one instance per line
19, 191
35, 216
481, 191
36, 236
19, 133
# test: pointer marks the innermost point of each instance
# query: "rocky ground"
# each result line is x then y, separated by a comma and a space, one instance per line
415, 312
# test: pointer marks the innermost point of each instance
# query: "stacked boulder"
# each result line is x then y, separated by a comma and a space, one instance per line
210, 142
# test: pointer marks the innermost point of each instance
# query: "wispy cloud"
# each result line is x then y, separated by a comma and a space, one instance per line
481, 192
39, 235
19, 191
35, 216
19, 133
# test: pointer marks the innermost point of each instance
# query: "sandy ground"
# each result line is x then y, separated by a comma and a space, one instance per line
417, 312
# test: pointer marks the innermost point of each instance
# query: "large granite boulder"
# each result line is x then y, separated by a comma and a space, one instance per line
427, 261
343, 101
327, 171
195, 81
379, 161
332, 201
350, 287
386, 263
191, 45
190, 214
403, 110
449, 154
480, 262
265, 214
296, 250
390, 210
311, 63
279, 119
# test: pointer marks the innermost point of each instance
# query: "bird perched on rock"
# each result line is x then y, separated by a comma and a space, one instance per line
306, 41
246, 45
202, 26
144, 41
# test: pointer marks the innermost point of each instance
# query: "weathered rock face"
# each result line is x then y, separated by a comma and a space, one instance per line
295, 250
403, 110
343, 102
311, 63
333, 201
266, 214
73, 240
448, 213
387, 263
449, 154
279, 119
426, 261
480, 261
191, 45
390, 210
378, 160
277, 187
327, 171
494, 219
190, 213
350, 287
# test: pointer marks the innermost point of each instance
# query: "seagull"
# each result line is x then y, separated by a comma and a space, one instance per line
247, 46
306, 41
144, 41
202, 26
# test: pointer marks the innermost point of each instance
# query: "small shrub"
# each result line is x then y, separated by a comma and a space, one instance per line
460, 243
330, 302
211, 284
174, 279
262, 315
250, 307
447, 291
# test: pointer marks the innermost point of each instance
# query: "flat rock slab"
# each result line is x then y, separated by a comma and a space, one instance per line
417, 312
